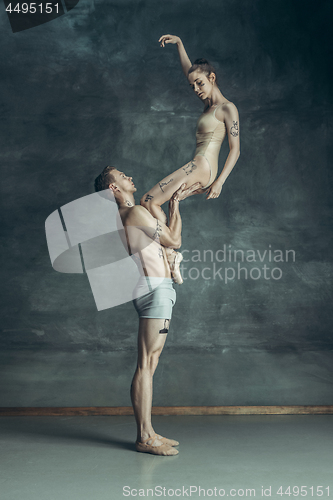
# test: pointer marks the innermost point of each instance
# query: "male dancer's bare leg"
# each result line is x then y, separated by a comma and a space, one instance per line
151, 339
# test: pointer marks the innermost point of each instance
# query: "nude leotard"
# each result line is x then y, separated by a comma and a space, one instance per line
210, 134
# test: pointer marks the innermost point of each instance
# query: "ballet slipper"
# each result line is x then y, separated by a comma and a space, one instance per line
170, 442
174, 263
163, 449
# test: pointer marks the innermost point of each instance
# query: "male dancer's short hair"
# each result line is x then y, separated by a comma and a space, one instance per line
104, 179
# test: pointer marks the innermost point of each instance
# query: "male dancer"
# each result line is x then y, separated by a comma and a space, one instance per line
155, 295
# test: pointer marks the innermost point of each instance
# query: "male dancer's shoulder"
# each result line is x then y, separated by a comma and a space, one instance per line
138, 215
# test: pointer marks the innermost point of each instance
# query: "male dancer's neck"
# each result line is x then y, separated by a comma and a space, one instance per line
126, 202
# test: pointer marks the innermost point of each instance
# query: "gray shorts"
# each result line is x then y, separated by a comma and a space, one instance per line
154, 297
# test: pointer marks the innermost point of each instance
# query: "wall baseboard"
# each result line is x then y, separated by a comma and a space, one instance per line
166, 410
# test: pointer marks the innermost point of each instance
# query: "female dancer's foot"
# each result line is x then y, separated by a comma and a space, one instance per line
174, 260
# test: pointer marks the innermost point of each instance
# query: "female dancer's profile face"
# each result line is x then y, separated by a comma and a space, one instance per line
201, 85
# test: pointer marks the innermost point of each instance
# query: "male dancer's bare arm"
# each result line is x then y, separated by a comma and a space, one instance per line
168, 236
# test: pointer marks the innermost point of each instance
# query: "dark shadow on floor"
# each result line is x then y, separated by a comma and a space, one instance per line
65, 429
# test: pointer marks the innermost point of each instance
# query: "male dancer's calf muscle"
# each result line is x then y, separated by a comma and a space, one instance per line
150, 345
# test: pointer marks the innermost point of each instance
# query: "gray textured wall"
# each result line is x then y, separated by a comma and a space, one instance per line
93, 88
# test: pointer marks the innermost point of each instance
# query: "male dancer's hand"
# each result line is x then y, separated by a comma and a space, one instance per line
184, 192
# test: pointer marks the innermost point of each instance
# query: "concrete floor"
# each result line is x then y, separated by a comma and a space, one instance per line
93, 458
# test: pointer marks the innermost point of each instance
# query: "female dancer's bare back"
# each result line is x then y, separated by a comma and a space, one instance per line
219, 118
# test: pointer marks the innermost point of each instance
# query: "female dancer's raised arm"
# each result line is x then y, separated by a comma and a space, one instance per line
184, 59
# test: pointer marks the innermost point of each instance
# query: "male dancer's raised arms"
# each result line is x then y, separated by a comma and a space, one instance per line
168, 235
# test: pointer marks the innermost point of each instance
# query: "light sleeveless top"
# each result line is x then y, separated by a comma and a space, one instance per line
210, 135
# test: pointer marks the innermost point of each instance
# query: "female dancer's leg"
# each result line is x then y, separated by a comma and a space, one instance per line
197, 170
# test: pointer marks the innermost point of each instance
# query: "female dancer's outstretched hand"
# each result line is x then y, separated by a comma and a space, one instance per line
168, 39
214, 190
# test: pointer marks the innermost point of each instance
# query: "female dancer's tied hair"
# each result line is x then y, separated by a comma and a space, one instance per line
204, 66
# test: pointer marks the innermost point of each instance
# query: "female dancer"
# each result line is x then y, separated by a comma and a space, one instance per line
219, 118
